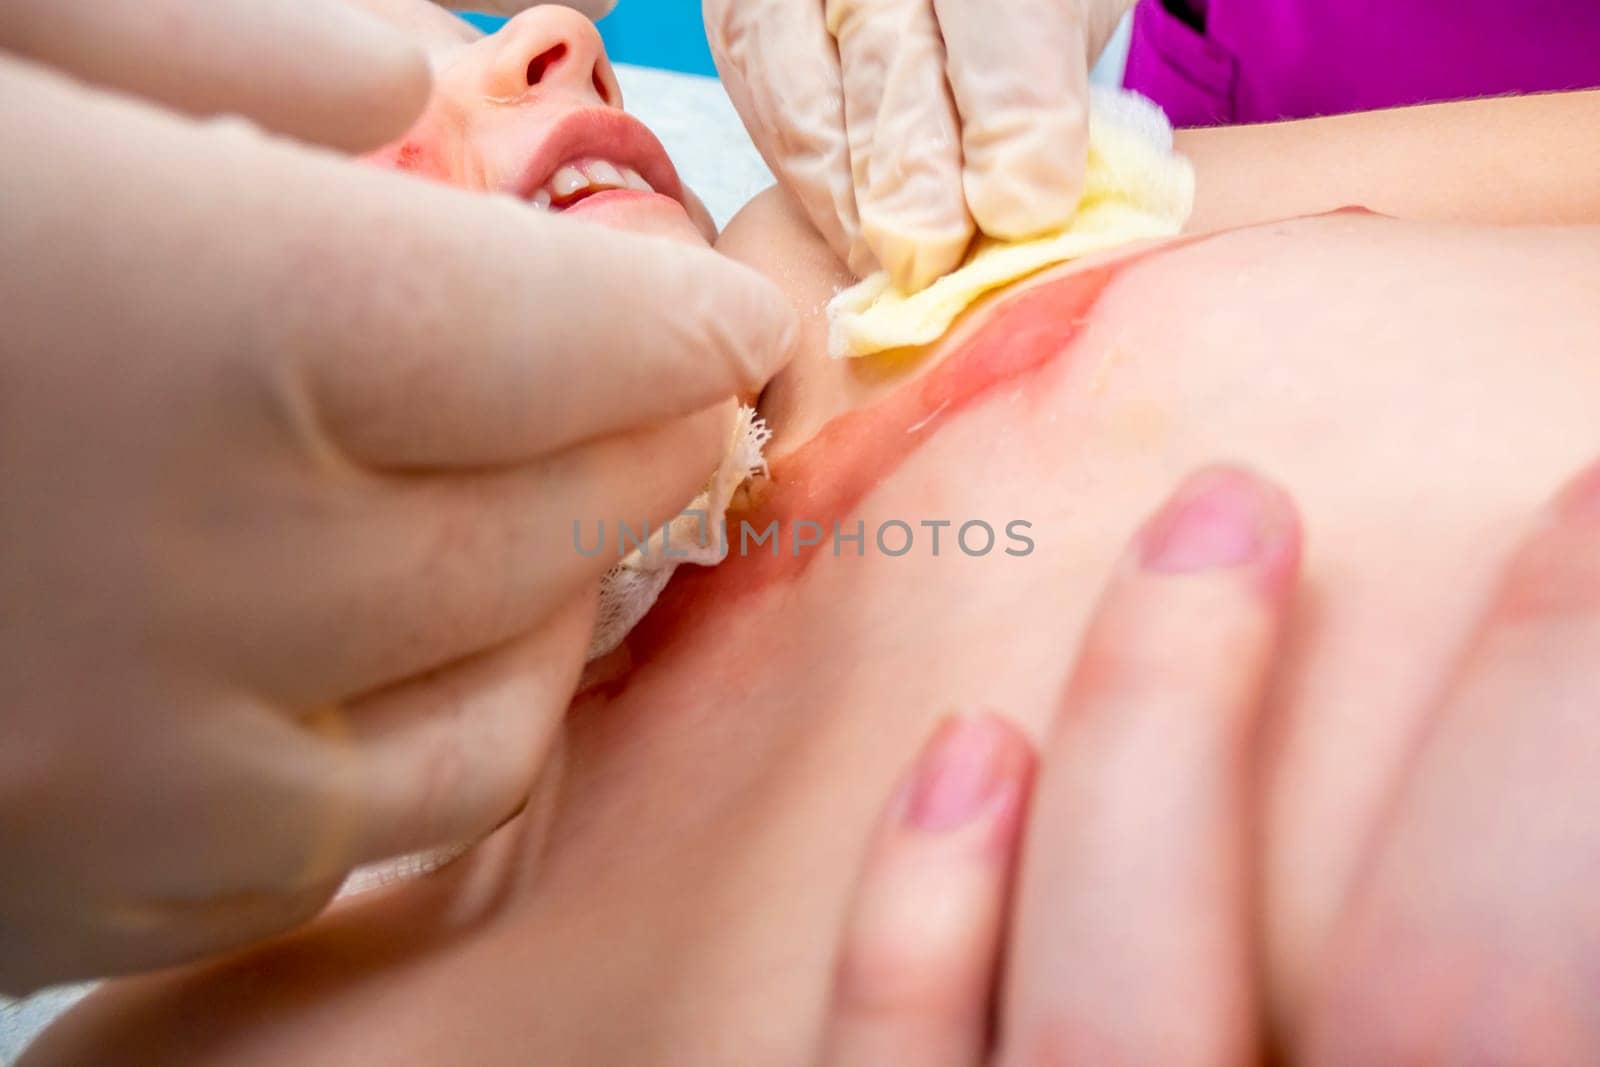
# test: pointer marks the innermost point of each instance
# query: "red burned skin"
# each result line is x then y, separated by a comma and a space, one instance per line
828, 476
824, 479
414, 155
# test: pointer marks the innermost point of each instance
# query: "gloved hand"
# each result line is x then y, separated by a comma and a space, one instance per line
899, 124
291, 451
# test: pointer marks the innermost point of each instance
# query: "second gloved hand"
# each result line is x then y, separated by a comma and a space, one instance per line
905, 126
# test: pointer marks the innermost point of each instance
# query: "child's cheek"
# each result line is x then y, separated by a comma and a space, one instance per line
418, 153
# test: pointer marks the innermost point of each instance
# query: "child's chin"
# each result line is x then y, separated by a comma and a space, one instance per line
647, 213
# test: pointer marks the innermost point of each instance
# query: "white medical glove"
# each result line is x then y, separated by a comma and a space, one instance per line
903, 125
595, 9
291, 450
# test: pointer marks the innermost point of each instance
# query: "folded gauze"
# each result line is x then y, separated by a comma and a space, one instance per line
1136, 187
695, 535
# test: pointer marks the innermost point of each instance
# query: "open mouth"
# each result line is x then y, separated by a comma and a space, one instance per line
598, 154
573, 183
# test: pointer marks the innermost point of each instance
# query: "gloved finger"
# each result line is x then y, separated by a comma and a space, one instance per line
418, 572
131, 937
1020, 79
291, 805
1133, 941
595, 9
1472, 936
446, 758
319, 71
491, 333
915, 977
372, 316
288, 810
255, 845
905, 142
780, 68
429, 25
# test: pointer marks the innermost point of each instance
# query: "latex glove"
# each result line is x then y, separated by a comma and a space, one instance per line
291, 450
595, 9
903, 125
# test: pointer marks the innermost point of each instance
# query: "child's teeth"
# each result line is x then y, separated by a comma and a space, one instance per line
567, 181
586, 177
603, 173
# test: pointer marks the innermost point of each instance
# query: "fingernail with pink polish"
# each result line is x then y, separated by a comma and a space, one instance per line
1219, 518
965, 765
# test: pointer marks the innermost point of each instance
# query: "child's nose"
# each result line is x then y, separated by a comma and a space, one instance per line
553, 48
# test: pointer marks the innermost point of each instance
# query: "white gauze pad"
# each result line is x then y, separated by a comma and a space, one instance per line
1135, 188
630, 589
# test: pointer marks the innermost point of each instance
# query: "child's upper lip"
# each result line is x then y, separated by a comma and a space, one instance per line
600, 133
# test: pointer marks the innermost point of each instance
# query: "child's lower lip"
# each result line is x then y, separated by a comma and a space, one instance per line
618, 196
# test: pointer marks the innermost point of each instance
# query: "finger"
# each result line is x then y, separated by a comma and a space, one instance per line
416, 573
532, 335
561, 334
905, 141
781, 70
916, 968
448, 757
439, 761
149, 935
387, 320
138, 936
430, 26
1475, 933
595, 9
110, 899
1133, 942
319, 71
1020, 78
258, 851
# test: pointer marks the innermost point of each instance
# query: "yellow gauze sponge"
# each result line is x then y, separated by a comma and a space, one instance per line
1136, 187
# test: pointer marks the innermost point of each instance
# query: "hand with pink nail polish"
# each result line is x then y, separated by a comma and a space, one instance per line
1122, 917
1123, 926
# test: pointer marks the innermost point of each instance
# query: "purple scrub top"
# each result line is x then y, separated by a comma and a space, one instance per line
1233, 61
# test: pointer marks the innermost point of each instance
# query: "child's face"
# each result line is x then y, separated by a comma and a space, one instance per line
534, 111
